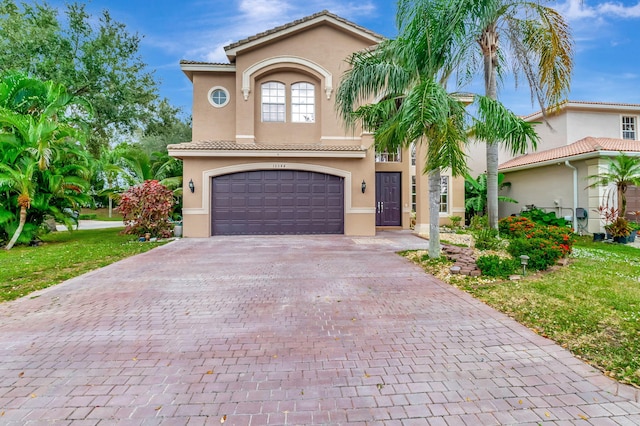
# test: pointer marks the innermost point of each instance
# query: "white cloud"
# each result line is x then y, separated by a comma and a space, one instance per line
575, 10
255, 16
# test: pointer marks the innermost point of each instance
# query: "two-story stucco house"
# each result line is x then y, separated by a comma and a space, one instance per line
576, 141
269, 154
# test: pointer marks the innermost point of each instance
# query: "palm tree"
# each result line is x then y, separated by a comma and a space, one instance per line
538, 39
623, 171
475, 194
19, 178
408, 74
40, 143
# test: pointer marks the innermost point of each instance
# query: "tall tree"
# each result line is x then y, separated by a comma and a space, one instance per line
93, 57
408, 74
538, 40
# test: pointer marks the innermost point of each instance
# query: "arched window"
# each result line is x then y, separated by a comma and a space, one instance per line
303, 103
273, 104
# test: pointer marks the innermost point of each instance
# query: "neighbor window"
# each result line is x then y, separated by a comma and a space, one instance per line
444, 194
303, 100
273, 106
629, 127
413, 193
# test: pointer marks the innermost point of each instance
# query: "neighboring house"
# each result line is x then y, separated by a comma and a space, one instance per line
269, 154
577, 141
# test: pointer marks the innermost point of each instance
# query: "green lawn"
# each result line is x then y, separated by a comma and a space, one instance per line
103, 214
591, 307
64, 255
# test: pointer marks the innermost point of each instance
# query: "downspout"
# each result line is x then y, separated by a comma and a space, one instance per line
575, 194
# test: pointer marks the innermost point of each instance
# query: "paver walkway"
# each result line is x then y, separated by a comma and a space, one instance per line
285, 330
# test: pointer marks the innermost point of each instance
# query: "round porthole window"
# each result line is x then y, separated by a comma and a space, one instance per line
218, 97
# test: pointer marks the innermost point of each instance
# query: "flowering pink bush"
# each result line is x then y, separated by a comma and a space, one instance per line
146, 208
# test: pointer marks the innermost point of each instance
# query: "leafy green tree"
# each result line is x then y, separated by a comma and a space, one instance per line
623, 171
165, 127
93, 57
538, 40
475, 193
43, 161
408, 74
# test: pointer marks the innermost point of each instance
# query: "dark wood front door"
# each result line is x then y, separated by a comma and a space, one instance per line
388, 200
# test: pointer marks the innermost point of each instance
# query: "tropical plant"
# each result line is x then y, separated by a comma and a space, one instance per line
475, 193
623, 171
146, 208
545, 218
538, 40
408, 74
43, 164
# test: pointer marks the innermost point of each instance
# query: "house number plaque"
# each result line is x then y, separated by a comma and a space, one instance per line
279, 166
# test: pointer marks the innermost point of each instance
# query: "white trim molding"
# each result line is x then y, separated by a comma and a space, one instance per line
246, 74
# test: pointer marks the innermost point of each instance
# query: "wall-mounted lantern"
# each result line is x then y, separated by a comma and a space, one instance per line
192, 187
364, 186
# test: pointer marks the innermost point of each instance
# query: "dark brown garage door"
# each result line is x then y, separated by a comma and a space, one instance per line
277, 202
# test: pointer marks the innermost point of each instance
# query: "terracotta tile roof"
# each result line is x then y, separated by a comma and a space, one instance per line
234, 146
298, 22
188, 62
583, 146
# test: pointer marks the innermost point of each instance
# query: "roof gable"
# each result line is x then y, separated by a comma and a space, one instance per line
320, 18
584, 106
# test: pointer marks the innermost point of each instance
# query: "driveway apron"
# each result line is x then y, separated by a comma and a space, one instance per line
285, 330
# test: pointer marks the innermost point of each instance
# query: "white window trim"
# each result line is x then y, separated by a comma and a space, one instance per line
635, 130
246, 74
284, 103
446, 213
213, 89
291, 88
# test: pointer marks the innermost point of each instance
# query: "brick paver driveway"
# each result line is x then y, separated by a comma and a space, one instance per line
285, 330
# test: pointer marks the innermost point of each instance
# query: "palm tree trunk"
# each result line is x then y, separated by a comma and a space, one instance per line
16, 235
489, 45
434, 214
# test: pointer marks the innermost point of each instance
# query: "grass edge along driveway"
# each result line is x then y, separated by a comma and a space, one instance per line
63, 255
591, 306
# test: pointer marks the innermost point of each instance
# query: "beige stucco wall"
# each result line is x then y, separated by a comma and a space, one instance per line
325, 47
209, 122
359, 215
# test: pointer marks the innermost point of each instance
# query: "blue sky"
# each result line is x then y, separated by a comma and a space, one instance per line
606, 34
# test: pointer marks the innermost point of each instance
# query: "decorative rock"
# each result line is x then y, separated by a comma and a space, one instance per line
515, 277
455, 270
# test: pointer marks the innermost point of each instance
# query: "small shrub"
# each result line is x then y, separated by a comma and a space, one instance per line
495, 266
522, 227
455, 221
87, 216
487, 239
146, 208
543, 218
478, 222
542, 252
